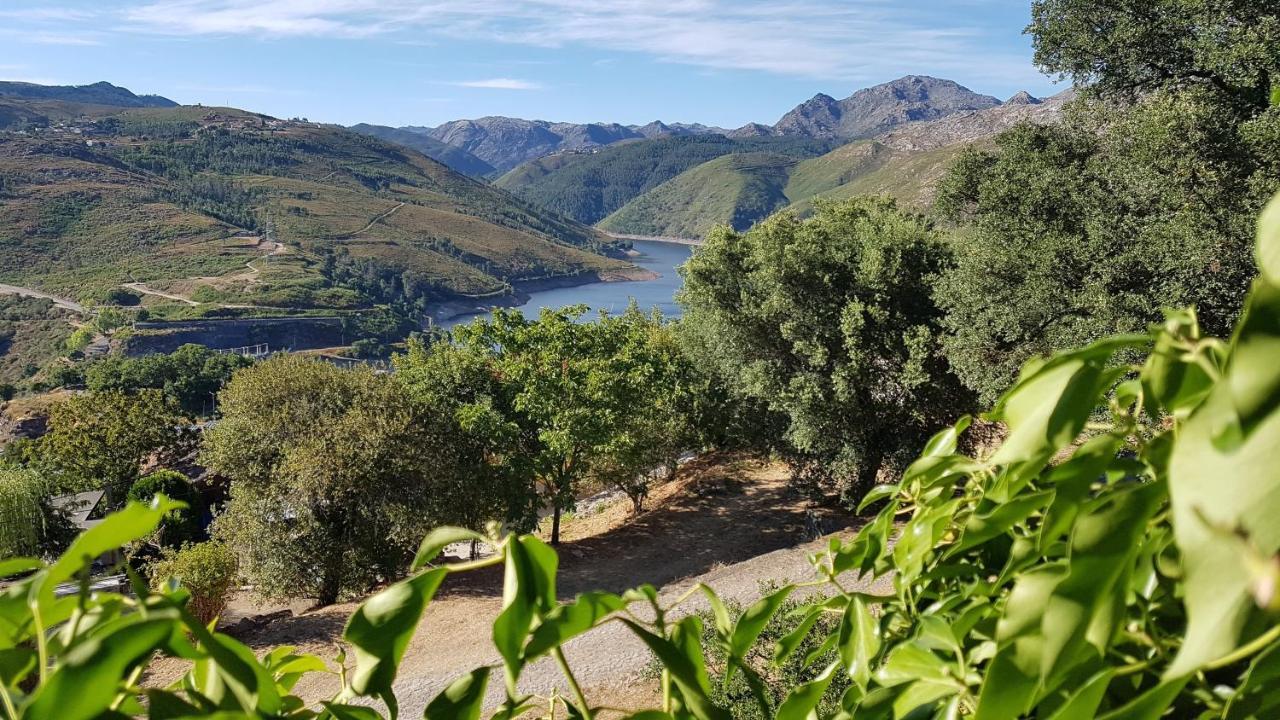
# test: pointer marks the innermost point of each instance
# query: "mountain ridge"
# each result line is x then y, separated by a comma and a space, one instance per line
99, 93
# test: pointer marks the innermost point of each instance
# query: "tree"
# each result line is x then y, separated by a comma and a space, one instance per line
190, 375
1126, 48
829, 322
179, 526
656, 427
491, 478
568, 386
332, 473
21, 515
1144, 198
102, 440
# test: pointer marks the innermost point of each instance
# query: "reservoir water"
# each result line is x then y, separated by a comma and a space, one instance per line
660, 257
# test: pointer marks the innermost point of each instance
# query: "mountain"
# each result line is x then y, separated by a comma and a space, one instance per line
975, 125
587, 186
906, 162
876, 109
243, 213
735, 189
100, 93
506, 142
451, 155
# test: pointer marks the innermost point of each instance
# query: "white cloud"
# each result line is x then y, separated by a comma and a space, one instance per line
848, 40
45, 38
500, 84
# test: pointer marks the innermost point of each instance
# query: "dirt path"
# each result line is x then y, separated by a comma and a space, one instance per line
139, 287
377, 220
33, 293
728, 522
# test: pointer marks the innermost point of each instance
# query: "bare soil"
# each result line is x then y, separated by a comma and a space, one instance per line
730, 521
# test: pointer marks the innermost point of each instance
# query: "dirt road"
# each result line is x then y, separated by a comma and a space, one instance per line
30, 292
730, 523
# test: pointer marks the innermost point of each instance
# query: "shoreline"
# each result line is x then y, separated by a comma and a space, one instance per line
658, 239
450, 310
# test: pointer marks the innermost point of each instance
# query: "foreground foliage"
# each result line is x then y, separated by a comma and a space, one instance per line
1114, 557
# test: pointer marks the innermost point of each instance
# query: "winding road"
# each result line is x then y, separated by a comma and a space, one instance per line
30, 292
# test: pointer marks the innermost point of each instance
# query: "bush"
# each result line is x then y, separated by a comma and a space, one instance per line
180, 526
207, 570
7, 392
121, 296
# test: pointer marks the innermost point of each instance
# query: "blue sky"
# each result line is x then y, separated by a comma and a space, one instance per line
422, 62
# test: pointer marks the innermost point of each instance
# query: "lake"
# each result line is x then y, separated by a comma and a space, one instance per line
660, 257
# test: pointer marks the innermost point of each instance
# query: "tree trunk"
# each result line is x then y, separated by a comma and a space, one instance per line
868, 471
555, 523
331, 583
637, 504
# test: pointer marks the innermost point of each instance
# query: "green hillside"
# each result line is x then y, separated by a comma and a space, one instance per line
739, 190
590, 186
222, 206
734, 189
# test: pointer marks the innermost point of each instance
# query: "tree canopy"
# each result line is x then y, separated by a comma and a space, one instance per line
830, 323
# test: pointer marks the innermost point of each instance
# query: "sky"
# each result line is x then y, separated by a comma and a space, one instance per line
424, 62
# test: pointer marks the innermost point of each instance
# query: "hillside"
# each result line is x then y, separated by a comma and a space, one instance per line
225, 207
735, 189
100, 93
905, 163
451, 155
590, 186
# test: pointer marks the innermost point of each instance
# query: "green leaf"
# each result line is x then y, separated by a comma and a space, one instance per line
1080, 611
859, 641
1255, 697
1013, 675
569, 621
380, 629
1050, 404
875, 494
1223, 490
1084, 702
462, 700
437, 540
351, 712
88, 678
982, 527
13, 566
787, 644
912, 661
1071, 481
802, 701
752, 623
1151, 704
924, 692
724, 625
683, 672
1268, 246
528, 591
134, 522
944, 442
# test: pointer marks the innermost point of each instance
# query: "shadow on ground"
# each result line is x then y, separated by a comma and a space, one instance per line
731, 508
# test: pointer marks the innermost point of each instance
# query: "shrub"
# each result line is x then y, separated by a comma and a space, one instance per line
7, 392
121, 296
180, 526
207, 570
